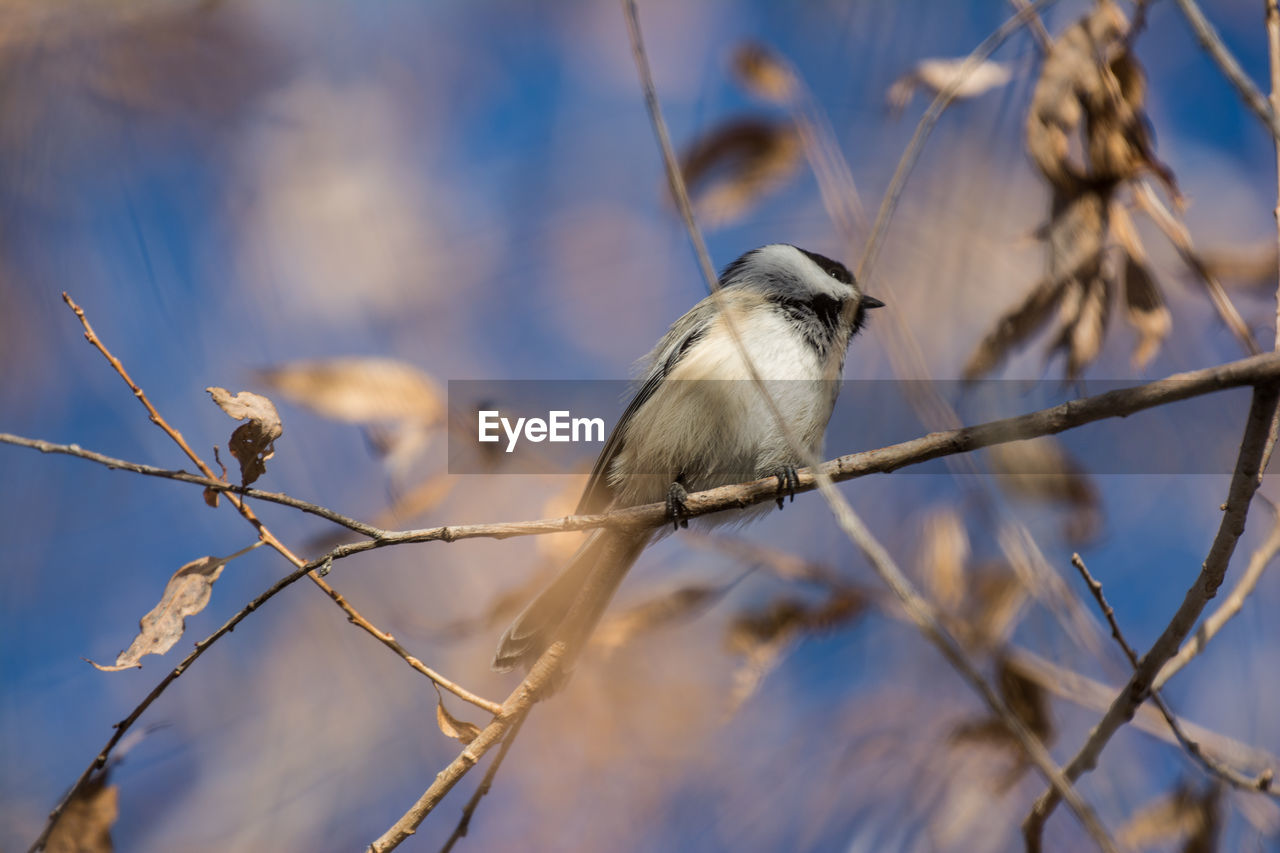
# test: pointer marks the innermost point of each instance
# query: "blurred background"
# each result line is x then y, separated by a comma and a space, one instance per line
240, 193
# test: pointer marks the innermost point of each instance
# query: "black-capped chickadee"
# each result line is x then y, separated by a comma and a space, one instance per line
700, 421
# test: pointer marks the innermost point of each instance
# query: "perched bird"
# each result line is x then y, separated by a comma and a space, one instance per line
699, 421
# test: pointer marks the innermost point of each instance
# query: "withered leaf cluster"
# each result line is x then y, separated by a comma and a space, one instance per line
1087, 133
252, 443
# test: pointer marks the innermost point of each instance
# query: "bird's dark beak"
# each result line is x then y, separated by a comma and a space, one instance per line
870, 302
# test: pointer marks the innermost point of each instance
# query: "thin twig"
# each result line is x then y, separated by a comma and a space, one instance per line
925, 127
541, 675
1273, 53
675, 179
464, 823
1177, 234
1261, 782
1229, 607
1036, 25
302, 567
1244, 482
1071, 686
186, 477
926, 620
1212, 43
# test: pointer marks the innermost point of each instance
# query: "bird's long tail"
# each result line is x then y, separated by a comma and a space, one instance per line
571, 606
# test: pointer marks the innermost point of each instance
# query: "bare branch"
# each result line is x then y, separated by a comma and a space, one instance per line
1262, 782
1229, 607
464, 823
1212, 43
185, 477
1177, 234
540, 676
1244, 482
925, 127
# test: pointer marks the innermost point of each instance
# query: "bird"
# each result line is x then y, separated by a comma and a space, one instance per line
699, 420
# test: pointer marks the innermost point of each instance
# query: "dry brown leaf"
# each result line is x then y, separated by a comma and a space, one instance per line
761, 636
1030, 705
764, 74
1015, 327
1040, 469
360, 390
1145, 310
937, 74
1083, 338
186, 594
252, 443
737, 163
1180, 816
459, 730
944, 550
995, 602
85, 823
619, 628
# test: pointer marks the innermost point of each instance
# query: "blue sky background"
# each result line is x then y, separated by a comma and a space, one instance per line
474, 189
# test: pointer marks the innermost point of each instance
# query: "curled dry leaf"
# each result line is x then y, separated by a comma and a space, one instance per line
1040, 469
737, 163
252, 443
85, 823
763, 73
937, 74
360, 390
1183, 816
459, 730
944, 550
186, 594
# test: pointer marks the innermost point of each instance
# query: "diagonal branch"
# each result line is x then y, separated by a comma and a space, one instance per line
185, 477
1230, 606
1212, 43
1244, 482
541, 676
1262, 782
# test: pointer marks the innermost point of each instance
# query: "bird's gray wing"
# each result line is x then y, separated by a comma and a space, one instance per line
686, 331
